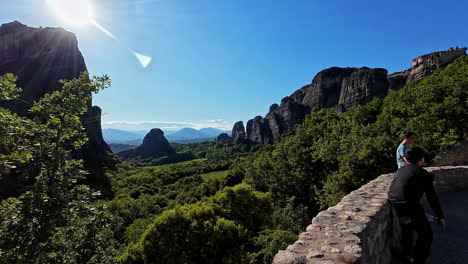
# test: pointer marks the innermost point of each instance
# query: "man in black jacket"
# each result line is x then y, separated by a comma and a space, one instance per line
409, 184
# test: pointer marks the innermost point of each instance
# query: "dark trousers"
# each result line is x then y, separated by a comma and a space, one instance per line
413, 221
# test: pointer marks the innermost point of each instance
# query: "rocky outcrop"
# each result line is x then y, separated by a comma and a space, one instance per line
397, 80
223, 137
155, 145
425, 65
429, 63
339, 89
259, 130
40, 57
453, 156
362, 86
325, 89
238, 133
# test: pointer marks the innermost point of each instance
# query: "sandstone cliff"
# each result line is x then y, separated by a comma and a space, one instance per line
339, 89
424, 65
40, 57
154, 145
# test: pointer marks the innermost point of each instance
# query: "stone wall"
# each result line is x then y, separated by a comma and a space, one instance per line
363, 227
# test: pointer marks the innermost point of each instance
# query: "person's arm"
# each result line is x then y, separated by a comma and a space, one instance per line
405, 148
431, 195
405, 160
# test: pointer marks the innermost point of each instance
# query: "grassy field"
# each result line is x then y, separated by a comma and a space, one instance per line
214, 175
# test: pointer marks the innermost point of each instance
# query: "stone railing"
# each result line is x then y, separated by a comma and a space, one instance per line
363, 227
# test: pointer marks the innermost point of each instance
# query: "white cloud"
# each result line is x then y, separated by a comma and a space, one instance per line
217, 121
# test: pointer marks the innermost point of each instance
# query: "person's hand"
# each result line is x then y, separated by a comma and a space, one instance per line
441, 222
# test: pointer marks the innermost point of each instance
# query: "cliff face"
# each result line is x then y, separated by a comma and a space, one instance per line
425, 65
40, 57
362, 86
154, 145
339, 89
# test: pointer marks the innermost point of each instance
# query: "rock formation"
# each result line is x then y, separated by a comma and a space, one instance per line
259, 130
154, 145
223, 137
40, 57
425, 65
339, 89
238, 132
453, 156
362, 86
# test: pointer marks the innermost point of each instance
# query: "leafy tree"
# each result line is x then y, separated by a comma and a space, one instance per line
53, 220
270, 241
217, 230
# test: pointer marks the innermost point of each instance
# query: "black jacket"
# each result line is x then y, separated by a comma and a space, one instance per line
408, 186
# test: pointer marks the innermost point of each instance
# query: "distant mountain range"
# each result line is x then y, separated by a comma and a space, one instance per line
189, 134
116, 136
185, 135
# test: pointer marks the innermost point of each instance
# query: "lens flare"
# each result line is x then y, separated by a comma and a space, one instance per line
80, 12
74, 12
144, 60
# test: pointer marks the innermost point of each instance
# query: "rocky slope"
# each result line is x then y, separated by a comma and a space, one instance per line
40, 57
339, 89
154, 145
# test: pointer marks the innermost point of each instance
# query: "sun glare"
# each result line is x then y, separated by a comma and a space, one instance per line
74, 12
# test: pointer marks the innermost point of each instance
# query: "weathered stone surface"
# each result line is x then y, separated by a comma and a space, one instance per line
453, 156
315, 253
423, 66
154, 145
258, 130
330, 249
354, 250
326, 87
397, 80
285, 117
429, 63
325, 262
40, 57
362, 86
307, 236
238, 133
285, 257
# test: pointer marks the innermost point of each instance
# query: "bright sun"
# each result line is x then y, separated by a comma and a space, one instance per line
75, 12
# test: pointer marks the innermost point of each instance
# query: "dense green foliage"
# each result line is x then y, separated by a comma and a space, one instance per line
216, 230
142, 193
212, 150
53, 219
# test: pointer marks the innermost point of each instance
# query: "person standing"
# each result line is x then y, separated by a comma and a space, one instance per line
410, 183
408, 139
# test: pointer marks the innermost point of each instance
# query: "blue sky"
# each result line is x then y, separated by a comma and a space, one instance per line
215, 62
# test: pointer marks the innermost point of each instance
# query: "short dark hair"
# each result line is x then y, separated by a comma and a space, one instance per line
407, 134
413, 155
